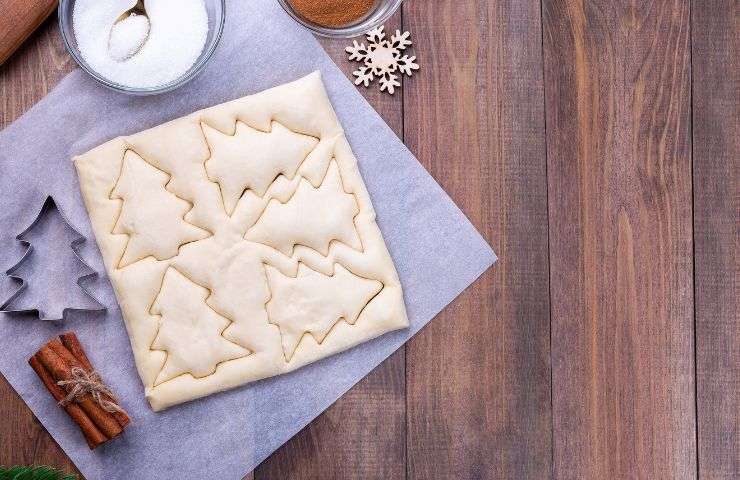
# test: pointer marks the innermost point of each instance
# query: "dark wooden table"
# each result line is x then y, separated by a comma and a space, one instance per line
595, 146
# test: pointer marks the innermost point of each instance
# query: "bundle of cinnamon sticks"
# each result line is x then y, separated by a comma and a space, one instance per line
66, 372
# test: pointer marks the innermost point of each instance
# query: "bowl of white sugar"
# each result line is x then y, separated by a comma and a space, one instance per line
142, 47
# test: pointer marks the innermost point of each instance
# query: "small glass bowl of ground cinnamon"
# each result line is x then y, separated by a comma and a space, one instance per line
340, 18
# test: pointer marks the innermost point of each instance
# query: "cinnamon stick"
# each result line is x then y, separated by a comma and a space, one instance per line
72, 344
93, 436
67, 373
70, 341
61, 370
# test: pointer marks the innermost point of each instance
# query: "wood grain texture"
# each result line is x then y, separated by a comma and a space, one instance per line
19, 19
470, 397
716, 153
363, 435
32, 72
478, 376
617, 89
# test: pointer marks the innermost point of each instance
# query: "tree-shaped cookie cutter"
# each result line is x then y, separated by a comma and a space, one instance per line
6, 307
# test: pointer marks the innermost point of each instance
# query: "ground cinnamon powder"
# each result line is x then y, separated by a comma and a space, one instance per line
332, 13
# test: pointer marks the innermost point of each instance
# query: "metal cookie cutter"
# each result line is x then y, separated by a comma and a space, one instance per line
6, 307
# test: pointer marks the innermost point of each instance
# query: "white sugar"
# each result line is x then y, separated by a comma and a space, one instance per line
127, 36
136, 51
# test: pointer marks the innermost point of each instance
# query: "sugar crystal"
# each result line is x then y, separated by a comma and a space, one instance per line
176, 33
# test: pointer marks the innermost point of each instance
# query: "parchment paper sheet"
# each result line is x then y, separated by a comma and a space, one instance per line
437, 252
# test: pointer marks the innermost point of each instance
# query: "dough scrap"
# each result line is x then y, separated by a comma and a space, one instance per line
240, 241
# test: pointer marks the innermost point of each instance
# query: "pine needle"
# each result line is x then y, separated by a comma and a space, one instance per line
34, 473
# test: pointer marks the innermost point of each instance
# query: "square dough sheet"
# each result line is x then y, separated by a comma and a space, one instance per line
240, 241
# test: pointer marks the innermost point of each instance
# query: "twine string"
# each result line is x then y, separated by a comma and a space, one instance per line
83, 383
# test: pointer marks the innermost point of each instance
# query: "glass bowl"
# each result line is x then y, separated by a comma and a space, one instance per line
381, 11
216, 15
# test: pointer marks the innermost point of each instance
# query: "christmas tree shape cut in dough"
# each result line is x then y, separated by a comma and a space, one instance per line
251, 159
151, 216
190, 331
313, 303
313, 217
273, 181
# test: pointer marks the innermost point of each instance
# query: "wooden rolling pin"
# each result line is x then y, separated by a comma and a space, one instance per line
18, 20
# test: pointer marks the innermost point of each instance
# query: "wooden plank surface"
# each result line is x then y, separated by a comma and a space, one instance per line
617, 89
582, 183
33, 71
363, 435
716, 152
478, 376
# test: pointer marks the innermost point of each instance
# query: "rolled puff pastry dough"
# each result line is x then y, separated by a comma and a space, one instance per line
240, 241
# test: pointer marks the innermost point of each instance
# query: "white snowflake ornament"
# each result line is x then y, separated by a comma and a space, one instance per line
382, 58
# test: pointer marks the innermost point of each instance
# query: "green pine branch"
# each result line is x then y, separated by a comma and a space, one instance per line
34, 473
